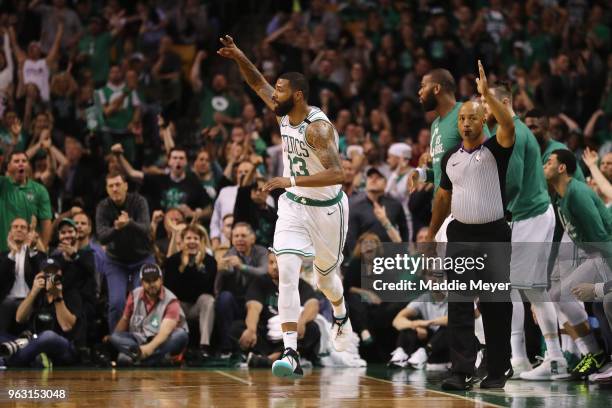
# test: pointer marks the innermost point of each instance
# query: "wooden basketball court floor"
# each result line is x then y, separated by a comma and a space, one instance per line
326, 387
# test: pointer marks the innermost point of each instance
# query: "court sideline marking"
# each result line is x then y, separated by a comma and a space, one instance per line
233, 377
484, 403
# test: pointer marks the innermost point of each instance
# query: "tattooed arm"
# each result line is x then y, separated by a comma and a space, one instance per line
319, 135
249, 72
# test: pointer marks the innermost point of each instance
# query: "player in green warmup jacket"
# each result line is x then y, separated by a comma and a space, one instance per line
588, 223
437, 93
533, 221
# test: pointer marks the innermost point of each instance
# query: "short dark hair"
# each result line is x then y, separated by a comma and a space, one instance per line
245, 225
535, 113
297, 82
15, 153
114, 174
566, 157
177, 149
443, 78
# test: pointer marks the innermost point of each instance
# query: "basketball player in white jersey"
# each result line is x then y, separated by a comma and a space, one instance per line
313, 213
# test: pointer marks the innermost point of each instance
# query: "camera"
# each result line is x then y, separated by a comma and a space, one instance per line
9, 348
53, 278
51, 268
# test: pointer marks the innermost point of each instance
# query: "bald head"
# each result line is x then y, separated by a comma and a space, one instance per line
472, 108
470, 121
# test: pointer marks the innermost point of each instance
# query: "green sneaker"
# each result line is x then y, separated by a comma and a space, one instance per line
572, 360
589, 364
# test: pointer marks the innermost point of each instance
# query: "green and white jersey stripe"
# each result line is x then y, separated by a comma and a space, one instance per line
299, 158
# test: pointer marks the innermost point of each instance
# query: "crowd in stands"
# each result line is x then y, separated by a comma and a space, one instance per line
132, 214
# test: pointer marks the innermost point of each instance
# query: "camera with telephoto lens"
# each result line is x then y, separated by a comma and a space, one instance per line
51, 269
9, 348
53, 278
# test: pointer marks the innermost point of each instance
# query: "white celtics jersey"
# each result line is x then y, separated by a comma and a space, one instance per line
299, 158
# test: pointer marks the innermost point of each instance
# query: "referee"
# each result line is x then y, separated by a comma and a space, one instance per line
473, 186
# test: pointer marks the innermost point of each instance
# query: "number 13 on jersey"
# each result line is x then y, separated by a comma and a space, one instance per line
297, 166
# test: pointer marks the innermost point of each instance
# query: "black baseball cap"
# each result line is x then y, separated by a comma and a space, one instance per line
373, 170
150, 272
50, 265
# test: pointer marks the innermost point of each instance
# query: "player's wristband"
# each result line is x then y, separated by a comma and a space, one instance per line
388, 226
422, 174
292, 179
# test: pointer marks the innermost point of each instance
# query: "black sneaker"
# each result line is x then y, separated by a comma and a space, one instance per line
288, 365
591, 363
457, 382
204, 353
496, 381
133, 352
258, 361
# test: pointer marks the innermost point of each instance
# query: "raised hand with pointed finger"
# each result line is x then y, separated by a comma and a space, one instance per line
481, 82
229, 49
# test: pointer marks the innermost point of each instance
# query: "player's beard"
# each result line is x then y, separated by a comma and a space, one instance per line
283, 108
429, 102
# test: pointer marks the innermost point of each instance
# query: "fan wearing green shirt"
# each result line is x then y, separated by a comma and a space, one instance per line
588, 223
94, 48
217, 105
437, 93
120, 106
533, 221
21, 197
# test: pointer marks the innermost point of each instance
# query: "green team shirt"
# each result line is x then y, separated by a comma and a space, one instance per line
526, 189
211, 103
98, 48
120, 119
585, 217
553, 145
444, 136
21, 201
6, 140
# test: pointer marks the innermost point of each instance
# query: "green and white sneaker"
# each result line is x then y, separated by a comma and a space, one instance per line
288, 365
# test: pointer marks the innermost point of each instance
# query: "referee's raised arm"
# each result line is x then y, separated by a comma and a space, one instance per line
505, 130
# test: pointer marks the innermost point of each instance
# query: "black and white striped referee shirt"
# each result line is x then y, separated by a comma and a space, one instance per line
477, 179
